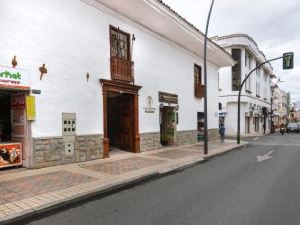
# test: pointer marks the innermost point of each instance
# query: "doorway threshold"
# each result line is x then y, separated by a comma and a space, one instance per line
114, 151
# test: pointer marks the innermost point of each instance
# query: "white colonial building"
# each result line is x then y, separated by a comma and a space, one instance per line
99, 75
279, 106
256, 93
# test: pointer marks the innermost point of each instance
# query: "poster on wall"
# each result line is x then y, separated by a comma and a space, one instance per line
17, 102
200, 126
30, 107
12, 78
10, 155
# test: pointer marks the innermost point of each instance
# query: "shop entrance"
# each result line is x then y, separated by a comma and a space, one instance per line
120, 116
120, 121
256, 124
167, 125
247, 125
5, 118
13, 128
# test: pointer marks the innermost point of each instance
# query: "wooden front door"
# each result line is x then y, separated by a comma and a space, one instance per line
126, 122
128, 114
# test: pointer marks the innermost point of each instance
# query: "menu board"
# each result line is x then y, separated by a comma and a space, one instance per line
10, 155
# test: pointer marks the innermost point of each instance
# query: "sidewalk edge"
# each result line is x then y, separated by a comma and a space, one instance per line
102, 192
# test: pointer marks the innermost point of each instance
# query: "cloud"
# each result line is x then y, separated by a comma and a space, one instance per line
272, 23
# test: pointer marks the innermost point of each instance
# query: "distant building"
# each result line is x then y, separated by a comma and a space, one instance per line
294, 113
256, 93
280, 106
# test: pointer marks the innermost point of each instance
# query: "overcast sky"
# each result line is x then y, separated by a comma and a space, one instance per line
274, 25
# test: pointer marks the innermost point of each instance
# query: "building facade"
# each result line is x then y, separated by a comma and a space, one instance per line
280, 106
92, 76
293, 115
256, 93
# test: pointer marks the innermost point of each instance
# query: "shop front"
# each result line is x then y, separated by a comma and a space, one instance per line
168, 118
14, 126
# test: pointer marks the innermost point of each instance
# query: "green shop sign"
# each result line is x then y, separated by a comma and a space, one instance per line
14, 78
10, 75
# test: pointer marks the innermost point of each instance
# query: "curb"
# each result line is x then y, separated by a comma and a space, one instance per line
242, 146
54, 207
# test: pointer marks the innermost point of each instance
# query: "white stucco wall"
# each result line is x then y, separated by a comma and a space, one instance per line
72, 38
229, 98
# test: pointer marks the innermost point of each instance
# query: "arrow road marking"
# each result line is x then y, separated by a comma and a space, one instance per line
267, 156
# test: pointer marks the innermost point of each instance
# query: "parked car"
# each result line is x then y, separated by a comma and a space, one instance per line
292, 127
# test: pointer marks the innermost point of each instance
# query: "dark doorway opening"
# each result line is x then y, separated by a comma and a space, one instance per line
167, 125
5, 118
120, 121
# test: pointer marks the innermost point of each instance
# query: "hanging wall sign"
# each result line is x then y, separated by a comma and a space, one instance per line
167, 98
149, 108
30, 107
13, 78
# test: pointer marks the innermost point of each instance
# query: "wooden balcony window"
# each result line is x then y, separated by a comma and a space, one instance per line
120, 55
199, 88
199, 91
121, 69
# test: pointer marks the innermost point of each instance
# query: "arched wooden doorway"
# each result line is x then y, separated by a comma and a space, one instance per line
120, 116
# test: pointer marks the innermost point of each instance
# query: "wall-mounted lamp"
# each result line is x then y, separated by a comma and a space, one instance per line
43, 71
161, 105
87, 77
177, 108
14, 62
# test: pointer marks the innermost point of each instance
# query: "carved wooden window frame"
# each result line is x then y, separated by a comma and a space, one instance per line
122, 36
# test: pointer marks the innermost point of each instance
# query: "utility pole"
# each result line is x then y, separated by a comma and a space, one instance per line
205, 82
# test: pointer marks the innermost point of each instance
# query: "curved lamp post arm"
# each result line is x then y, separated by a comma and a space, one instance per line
239, 97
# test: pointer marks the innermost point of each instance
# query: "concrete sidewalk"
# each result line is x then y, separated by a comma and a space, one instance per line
26, 193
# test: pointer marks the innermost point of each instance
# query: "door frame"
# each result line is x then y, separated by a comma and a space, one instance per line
27, 147
173, 108
109, 86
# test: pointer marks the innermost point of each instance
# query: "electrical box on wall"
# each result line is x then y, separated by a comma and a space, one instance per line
69, 126
69, 132
69, 148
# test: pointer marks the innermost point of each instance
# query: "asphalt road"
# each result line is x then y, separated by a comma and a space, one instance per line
233, 189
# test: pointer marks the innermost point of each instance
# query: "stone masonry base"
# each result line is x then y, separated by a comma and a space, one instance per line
151, 141
213, 134
51, 151
186, 137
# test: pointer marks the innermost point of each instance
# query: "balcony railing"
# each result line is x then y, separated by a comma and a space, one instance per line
121, 69
199, 91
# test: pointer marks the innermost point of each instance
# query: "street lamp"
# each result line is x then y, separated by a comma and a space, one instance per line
205, 82
288, 63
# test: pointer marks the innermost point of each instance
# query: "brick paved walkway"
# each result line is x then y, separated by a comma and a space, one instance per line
23, 191
174, 154
26, 187
123, 165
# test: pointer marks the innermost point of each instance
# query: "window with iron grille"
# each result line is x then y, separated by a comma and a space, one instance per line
119, 43
236, 70
199, 88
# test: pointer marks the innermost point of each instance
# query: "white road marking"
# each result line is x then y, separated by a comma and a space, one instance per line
267, 156
256, 138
